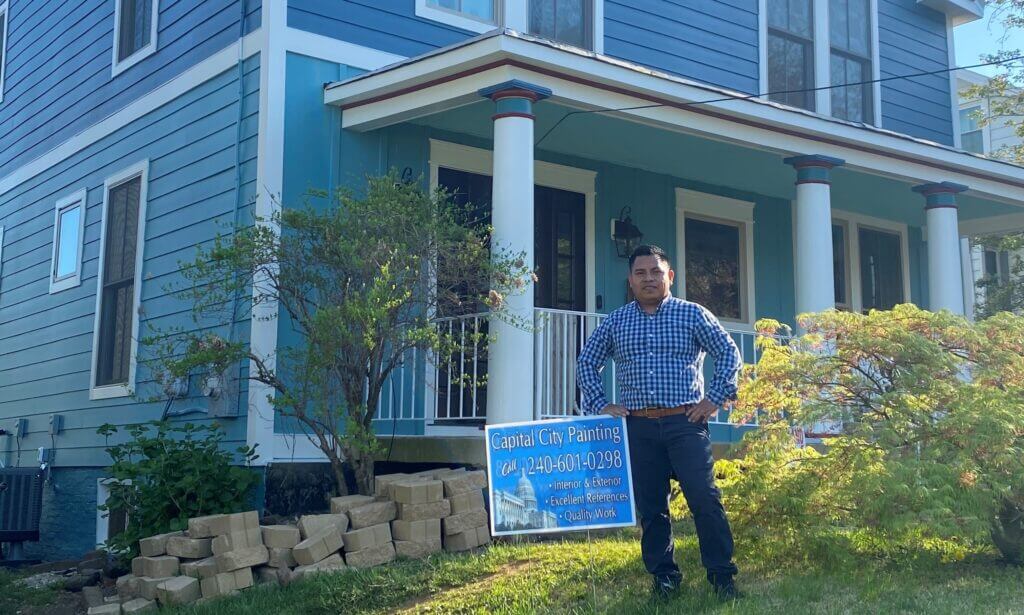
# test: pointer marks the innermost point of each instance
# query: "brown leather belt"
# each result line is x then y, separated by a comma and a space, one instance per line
657, 413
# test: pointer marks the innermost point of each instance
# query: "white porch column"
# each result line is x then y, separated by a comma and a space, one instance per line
945, 280
510, 355
967, 272
815, 279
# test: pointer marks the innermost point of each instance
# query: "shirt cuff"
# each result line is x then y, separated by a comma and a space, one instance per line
595, 406
718, 397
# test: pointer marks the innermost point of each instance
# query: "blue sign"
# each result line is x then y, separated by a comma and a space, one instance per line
559, 475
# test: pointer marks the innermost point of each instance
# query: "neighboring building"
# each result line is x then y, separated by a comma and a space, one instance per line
134, 130
988, 139
518, 511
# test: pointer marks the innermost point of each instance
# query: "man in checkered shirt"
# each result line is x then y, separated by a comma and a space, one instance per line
658, 343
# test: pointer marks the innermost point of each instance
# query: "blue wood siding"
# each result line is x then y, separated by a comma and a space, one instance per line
201, 149
711, 41
387, 25
912, 39
59, 55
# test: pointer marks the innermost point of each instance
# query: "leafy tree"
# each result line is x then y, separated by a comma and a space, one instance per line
932, 436
165, 474
360, 282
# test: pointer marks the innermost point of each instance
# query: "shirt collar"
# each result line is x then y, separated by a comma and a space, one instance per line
636, 304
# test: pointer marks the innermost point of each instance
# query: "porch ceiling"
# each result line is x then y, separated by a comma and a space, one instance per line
444, 85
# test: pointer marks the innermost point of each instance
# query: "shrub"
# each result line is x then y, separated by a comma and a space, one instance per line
167, 473
930, 409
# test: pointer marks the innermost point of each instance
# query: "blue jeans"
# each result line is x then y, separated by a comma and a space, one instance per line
659, 449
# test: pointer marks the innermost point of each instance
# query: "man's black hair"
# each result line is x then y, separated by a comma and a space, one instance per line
649, 250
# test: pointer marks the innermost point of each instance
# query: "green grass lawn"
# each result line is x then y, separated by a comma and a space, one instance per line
837, 574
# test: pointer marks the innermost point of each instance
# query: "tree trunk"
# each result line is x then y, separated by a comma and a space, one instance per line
362, 467
338, 468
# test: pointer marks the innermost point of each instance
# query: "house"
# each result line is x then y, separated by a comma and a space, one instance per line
993, 139
134, 130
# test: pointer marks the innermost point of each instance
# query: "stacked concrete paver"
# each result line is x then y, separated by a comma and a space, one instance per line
410, 515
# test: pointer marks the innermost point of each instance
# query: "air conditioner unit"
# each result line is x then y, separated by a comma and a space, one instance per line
21, 504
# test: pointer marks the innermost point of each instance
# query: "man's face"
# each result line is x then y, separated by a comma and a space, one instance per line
650, 278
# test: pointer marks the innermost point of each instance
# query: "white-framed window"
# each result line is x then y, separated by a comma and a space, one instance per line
573, 22
715, 254
108, 524
876, 261
814, 44
116, 328
841, 264
972, 134
135, 31
68, 235
3, 46
472, 15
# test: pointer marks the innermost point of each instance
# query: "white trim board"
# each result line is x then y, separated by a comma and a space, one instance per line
77, 199
225, 59
103, 518
458, 20
140, 170
3, 47
118, 67
715, 208
334, 50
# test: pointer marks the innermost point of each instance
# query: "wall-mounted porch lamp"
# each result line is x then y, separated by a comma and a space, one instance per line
625, 234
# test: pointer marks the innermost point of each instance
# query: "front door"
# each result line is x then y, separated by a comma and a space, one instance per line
559, 251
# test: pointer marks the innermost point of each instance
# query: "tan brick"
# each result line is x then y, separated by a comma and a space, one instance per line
438, 473
430, 510
311, 525
483, 535
137, 568
416, 550
242, 558
148, 585
317, 547
463, 541
464, 521
416, 531
347, 502
155, 545
281, 558
221, 584
138, 605
200, 569
417, 492
367, 537
374, 556
216, 525
178, 590
467, 501
282, 536
372, 514
105, 609
461, 482
160, 566
203, 527
127, 586
234, 541
380, 483
243, 578
328, 564
192, 548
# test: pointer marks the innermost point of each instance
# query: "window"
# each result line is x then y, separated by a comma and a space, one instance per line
972, 136
472, 15
841, 265
714, 236
881, 269
566, 21
108, 524
997, 266
119, 280
790, 52
3, 45
850, 38
68, 233
135, 30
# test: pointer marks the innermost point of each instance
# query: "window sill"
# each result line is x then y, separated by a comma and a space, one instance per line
112, 391
132, 60
57, 286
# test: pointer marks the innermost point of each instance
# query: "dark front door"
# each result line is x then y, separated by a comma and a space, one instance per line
559, 251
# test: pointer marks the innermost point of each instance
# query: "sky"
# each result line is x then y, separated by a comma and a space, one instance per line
984, 36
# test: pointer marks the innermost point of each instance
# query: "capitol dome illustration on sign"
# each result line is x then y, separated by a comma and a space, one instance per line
519, 510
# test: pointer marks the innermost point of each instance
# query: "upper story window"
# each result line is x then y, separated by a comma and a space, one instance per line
68, 234
790, 52
566, 21
972, 136
134, 31
472, 15
3, 45
850, 59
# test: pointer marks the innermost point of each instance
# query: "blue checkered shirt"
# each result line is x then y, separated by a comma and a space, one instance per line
659, 358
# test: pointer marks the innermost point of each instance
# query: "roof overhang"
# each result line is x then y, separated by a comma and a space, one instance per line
958, 11
451, 77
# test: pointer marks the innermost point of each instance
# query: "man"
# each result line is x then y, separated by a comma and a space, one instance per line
658, 343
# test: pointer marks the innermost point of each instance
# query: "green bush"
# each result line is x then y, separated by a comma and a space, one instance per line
167, 473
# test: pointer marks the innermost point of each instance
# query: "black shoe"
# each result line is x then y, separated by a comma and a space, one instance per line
727, 592
664, 587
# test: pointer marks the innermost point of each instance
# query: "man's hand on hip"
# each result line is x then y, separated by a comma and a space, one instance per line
701, 412
615, 410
